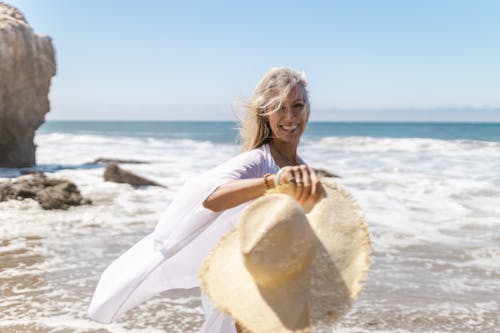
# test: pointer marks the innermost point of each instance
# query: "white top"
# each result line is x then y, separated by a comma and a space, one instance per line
170, 257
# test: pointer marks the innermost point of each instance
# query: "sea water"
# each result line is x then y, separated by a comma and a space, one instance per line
429, 192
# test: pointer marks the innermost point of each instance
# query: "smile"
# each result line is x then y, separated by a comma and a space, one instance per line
289, 127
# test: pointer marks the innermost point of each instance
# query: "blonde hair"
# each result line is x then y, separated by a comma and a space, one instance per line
269, 94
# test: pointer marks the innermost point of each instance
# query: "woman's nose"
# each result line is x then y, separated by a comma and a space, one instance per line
289, 113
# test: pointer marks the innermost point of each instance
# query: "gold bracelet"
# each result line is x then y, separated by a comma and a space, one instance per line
266, 181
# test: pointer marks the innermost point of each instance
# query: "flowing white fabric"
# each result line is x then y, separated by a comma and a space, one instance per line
170, 257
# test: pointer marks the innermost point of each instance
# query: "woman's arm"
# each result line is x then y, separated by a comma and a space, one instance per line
237, 192
302, 181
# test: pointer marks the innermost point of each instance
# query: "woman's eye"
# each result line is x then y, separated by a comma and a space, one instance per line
298, 106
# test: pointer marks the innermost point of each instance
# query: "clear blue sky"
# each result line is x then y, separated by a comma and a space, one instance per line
429, 60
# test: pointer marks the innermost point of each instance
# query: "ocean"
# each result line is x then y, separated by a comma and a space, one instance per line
430, 193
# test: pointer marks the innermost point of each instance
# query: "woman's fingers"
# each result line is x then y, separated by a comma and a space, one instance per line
299, 182
303, 183
290, 179
306, 183
315, 183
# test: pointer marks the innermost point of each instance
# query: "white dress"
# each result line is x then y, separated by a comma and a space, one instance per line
170, 257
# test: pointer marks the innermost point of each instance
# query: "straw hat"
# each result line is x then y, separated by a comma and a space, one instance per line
287, 268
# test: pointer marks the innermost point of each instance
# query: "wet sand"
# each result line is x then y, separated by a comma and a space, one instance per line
46, 286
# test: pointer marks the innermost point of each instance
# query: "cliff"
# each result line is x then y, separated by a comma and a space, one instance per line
27, 64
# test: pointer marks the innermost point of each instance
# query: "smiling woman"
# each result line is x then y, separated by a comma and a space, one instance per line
209, 205
275, 120
288, 122
281, 89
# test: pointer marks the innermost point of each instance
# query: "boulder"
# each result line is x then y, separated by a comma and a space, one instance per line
325, 173
117, 160
113, 173
51, 193
27, 64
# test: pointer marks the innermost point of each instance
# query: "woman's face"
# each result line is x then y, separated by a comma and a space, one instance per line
288, 123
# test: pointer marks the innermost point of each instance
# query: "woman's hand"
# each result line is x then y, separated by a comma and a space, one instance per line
303, 182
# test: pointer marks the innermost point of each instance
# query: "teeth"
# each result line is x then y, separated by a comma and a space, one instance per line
289, 128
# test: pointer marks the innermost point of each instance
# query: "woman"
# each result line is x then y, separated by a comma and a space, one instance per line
208, 206
275, 119
273, 124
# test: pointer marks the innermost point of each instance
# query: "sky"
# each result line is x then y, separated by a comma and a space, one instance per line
366, 60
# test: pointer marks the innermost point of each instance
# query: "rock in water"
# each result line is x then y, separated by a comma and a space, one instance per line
51, 193
113, 173
325, 173
116, 161
27, 64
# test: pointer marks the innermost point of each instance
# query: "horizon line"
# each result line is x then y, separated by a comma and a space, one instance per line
311, 121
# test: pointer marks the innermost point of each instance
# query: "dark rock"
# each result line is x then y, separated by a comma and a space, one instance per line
60, 196
31, 171
51, 193
325, 173
115, 160
27, 64
113, 173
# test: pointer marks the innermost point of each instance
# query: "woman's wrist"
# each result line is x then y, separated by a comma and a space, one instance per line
268, 181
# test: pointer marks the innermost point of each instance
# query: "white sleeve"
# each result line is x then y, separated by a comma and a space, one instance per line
186, 217
170, 257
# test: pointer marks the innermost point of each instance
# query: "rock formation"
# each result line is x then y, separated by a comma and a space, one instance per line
51, 193
113, 173
27, 64
325, 173
116, 160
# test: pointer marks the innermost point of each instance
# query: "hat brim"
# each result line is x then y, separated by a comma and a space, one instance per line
244, 300
326, 290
